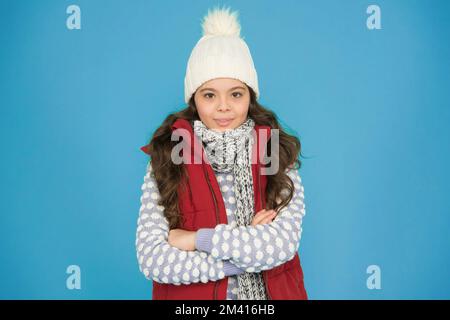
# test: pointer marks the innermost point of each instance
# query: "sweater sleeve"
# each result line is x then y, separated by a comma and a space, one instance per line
260, 247
161, 262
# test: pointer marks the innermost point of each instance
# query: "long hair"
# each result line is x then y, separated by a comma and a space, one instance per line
169, 176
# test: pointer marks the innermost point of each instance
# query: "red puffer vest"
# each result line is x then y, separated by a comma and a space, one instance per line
202, 206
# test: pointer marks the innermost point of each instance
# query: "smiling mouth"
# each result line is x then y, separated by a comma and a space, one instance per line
223, 122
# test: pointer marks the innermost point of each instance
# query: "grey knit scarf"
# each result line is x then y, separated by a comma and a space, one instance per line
231, 151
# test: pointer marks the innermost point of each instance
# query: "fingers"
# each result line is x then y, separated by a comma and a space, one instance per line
263, 216
269, 218
260, 216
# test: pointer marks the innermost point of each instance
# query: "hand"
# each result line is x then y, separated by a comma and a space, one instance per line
264, 216
182, 239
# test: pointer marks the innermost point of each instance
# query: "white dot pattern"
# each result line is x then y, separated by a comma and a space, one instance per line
262, 247
158, 260
251, 248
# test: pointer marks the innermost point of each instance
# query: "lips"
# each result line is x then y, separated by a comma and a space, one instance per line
223, 122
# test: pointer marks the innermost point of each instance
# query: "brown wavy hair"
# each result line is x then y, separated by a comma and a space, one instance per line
169, 175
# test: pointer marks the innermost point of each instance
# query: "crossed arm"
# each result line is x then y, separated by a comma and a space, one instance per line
181, 257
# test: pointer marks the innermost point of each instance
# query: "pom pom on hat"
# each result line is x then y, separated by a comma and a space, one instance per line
221, 22
220, 53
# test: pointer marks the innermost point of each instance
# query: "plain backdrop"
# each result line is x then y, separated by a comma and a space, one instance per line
371, 108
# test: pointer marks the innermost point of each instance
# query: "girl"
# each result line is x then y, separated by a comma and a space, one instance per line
220, 228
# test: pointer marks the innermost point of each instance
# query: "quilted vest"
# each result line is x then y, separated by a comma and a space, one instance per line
201, 206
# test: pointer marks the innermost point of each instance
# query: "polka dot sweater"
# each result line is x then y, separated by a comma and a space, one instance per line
226, 250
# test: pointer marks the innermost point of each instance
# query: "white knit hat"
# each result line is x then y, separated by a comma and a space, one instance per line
220, 53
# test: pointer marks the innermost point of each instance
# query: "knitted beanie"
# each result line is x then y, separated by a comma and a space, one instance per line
220, 53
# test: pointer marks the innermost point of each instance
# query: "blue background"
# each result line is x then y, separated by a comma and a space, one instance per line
371, 108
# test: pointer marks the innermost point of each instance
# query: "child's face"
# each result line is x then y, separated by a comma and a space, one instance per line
222, 103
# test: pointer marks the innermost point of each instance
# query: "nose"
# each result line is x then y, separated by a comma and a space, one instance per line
223, 106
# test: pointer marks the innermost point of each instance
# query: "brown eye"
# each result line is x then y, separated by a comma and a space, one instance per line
206, 95
240, 94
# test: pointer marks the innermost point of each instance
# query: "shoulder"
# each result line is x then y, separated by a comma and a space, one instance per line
294, 174
149, 175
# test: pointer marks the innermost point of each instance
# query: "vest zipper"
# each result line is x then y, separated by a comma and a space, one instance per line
260, 199
216, 283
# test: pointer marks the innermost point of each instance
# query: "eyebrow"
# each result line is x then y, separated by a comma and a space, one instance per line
211, 89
